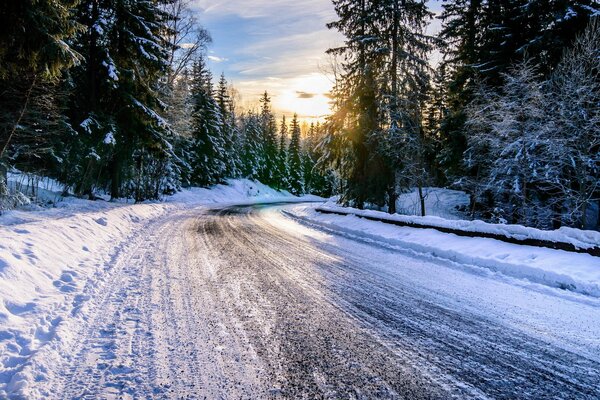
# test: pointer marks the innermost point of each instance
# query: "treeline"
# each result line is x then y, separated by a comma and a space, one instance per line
114, 96
510, 114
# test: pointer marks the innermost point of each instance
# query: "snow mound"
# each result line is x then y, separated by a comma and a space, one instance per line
237, 191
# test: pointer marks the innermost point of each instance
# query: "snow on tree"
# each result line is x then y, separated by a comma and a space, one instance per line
209, 165
34, 52
510, 140
296, 177
282, 168
575, 113
267, 173
252, 150
536, 143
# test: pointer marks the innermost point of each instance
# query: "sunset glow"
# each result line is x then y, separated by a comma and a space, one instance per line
307, 96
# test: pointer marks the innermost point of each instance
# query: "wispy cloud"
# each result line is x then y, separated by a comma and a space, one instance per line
217, 59
305, 95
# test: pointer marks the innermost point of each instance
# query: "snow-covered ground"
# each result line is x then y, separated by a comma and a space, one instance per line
59, 266
52, 259
439, 202
556, 268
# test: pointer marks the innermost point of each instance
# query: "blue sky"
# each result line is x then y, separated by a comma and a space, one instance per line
274, 45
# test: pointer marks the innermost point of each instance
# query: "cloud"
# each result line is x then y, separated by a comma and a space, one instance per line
217, 59
305, 95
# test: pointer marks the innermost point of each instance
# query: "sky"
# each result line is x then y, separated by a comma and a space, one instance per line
274, 45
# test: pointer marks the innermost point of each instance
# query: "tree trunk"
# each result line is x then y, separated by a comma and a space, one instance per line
583, 215
598, 217
392, 197
422, 200
556, 215
115, 177
3, 180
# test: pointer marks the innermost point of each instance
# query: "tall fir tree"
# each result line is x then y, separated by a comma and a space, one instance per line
229, 129
209, 166
296, 178
252, 149
34, 54
282, 168
115, 105
267, 172
379, 93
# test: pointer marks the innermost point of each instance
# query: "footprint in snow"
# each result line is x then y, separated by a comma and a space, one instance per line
101, 221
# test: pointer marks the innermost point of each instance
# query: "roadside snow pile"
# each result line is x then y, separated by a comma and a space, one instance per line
556, 268
237, 191
51, 259
445, 203
45, 266
577, 237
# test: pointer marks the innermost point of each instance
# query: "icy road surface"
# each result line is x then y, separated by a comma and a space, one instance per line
246, 303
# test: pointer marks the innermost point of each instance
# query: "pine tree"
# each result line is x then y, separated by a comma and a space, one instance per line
252, 150
308, 163
282, 169
295, 159
209, 166
34, 53
229, 129
483, 38
356, 112
267, 174
379, 96
115, 105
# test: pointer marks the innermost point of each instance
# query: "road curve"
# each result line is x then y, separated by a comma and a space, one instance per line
243, 303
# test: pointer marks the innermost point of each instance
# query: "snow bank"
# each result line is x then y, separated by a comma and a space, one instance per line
51, 259
237, 191
556, 268
579, 238
44, 266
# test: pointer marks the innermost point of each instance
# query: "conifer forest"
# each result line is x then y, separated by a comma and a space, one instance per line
116, 96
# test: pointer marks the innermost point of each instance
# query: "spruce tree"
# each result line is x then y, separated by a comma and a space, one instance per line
295, 159
229, 129
209, 166
34, 53
379, 94
282, 169
252, 149
115, 107
267, 173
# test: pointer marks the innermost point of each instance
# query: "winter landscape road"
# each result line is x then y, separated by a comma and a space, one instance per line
244, 302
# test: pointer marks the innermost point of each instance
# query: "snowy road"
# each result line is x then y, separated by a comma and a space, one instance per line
243, 302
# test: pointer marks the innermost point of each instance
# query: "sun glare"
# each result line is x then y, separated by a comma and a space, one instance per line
306, 96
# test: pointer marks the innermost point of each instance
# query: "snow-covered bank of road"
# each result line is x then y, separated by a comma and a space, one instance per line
555, 268
55, 264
